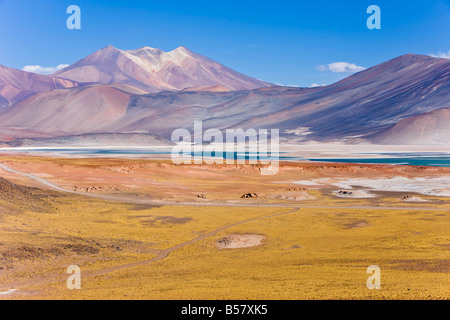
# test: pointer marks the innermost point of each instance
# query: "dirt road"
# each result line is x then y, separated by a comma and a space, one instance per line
209, 204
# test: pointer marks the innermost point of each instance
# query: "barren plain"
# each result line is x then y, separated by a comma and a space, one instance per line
149, 229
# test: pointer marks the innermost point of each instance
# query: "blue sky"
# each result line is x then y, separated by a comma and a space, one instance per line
283, 42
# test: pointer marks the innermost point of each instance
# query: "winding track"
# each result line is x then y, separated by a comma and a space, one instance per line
160, 256
166, 252
203, 204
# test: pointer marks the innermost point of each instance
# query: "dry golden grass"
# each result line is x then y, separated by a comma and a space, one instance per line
307, 253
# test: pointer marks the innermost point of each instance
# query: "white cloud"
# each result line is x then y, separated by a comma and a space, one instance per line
314, 85
44, 70
444, 55
341, 67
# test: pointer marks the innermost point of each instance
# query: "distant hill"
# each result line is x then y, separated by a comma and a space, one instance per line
424, 129
16, 85
95, 139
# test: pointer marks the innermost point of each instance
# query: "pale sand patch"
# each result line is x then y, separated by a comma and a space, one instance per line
429, 186
413, 199
7, 292
353, 194
307, 183
235, 241
323, 180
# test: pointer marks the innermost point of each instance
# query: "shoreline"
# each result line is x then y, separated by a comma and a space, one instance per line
305, 153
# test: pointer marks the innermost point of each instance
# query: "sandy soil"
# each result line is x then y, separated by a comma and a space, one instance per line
353, 194
413, 199
163, 181
236, 241
171, 220
437, 186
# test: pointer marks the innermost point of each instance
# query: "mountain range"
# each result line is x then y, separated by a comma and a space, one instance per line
17, 85
146, 91
154, 70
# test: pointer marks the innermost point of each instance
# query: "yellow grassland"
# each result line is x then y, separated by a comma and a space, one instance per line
307, 253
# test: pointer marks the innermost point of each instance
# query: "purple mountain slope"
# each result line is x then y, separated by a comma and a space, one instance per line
358, 108
16, 85
429, 128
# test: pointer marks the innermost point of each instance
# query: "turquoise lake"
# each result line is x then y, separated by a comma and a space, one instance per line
416, 159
